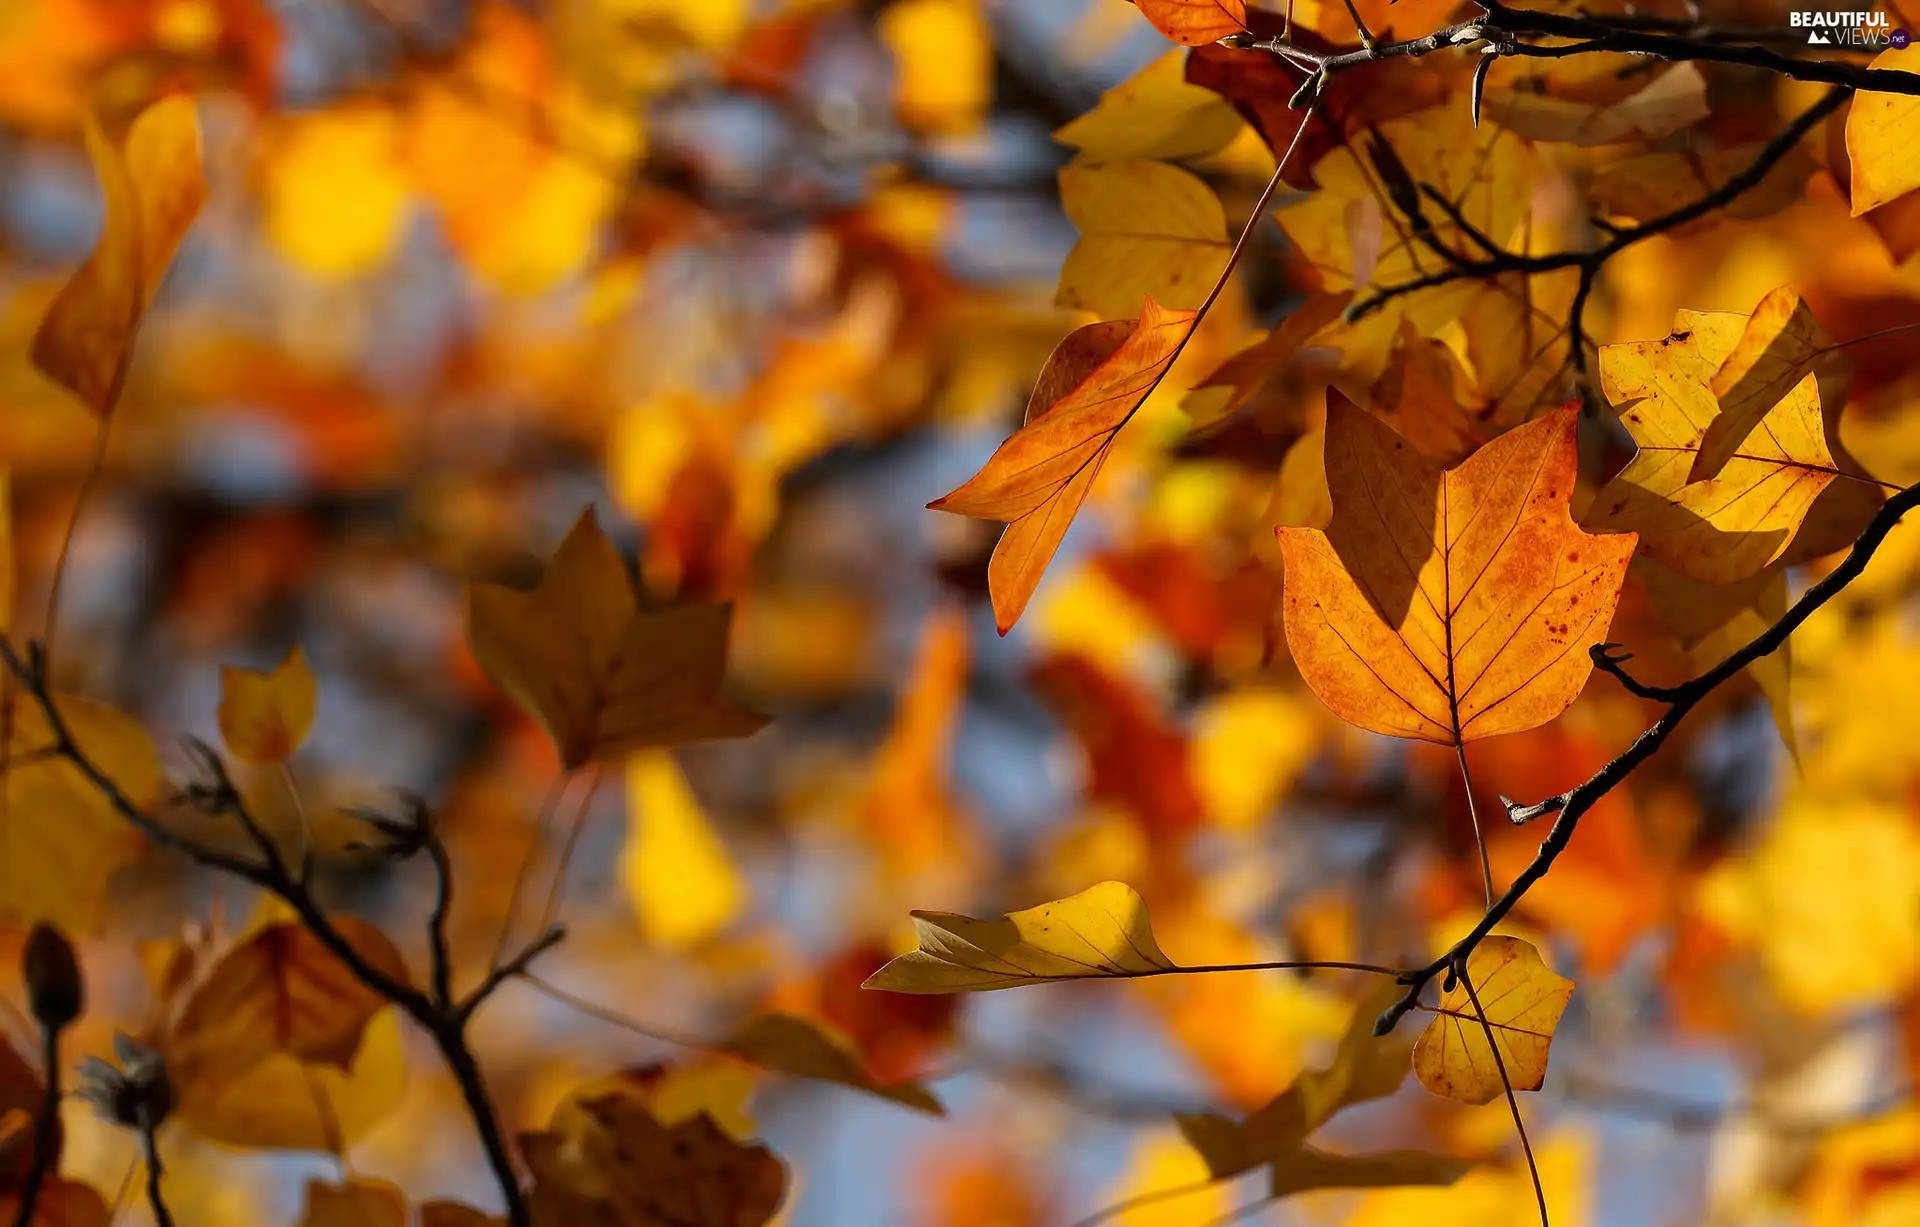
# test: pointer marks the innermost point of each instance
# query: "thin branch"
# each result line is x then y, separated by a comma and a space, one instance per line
1506, 1085
46, 1127
150, 1150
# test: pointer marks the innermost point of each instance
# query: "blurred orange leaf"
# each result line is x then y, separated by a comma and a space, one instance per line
1193, 22
265, 716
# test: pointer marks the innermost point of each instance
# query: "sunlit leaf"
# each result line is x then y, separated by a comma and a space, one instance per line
1455, 605
943, 62
1522, 1002
1154, 113
1886, 162
1101, 932
1193, 22
1147, 229
1775, 352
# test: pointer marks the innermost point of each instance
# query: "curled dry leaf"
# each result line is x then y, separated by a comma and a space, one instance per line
150, 174
357, 1203
1449, 606
603, 676
1722, 530
1035, 482
1193, 22
265, 716
807, 1048
280, 992
1523, 1000
617, 1166
1101, 932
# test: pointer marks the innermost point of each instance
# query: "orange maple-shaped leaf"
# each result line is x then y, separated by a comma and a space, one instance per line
1454, 605
1194, 22
150, 174
1036, 481
1521, 1000
602, 675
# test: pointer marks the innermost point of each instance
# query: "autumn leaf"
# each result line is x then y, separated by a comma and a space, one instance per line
357, 1203
281, 991
1147, 229
63, 1203
150, 174
61, 841
1101, 932
676, 868
1246, 371
283, 1103
1674, 100
1036, 480
1886, 162
603, 676
455, 1214
265, 716
336, 192
1776, 350
807, 1048
1193, 22
1155, 113
943, 59
1449, 606
621, 1167
1522, 1000
1309, 1167
1725, 529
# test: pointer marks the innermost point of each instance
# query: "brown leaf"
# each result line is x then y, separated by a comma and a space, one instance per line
150, 173
603, 676
1038, 478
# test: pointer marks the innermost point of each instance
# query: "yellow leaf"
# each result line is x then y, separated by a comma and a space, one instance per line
1723, 530
1675, 99
1154, 114
1496, 1196
943, 62
1880, 144
1522, 1000
150, 174
1160, 1165
265, 716
807, 1048
1101, 932
1147, 230
357, 1203
280, 991
336, 191
677, 871
61, 842
1248, 748
1776, 350
603, 676
281, 1103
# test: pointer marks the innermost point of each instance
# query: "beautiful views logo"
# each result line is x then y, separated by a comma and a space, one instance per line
1844, 29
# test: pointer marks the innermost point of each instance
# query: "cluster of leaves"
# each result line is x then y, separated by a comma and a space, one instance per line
1426, 504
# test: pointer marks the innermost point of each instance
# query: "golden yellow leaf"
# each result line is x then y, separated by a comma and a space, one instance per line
1880, 145
618, 1166
943, 62
61, 842
1496, 1195
1249, 746
1037, 479
1169, 1183
265, 716
336, 190
150, 174
1723, 530
357, 1203
1101, 932
1522, 1000
603, 676
281, 1103
1147, 229
280, 991
1675, 99
808, 1048
1776, 351
1449, 606
1193, 22
1154, 113
676, 868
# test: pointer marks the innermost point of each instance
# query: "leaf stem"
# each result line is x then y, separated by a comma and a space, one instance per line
1506, 1084
1473, 812
521, 875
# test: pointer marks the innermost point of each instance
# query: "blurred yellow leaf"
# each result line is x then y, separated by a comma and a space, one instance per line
1675, 99
265, 716
61, 841
150, 174
336, 190
943, 62
1880, 145
1102, 931
1146, 228
357, 1203
603, 676
1160, 1165
1496, 1196
677, 870
1522, 1000
281, 1103
1248, 748
807, 1048
1154, 114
